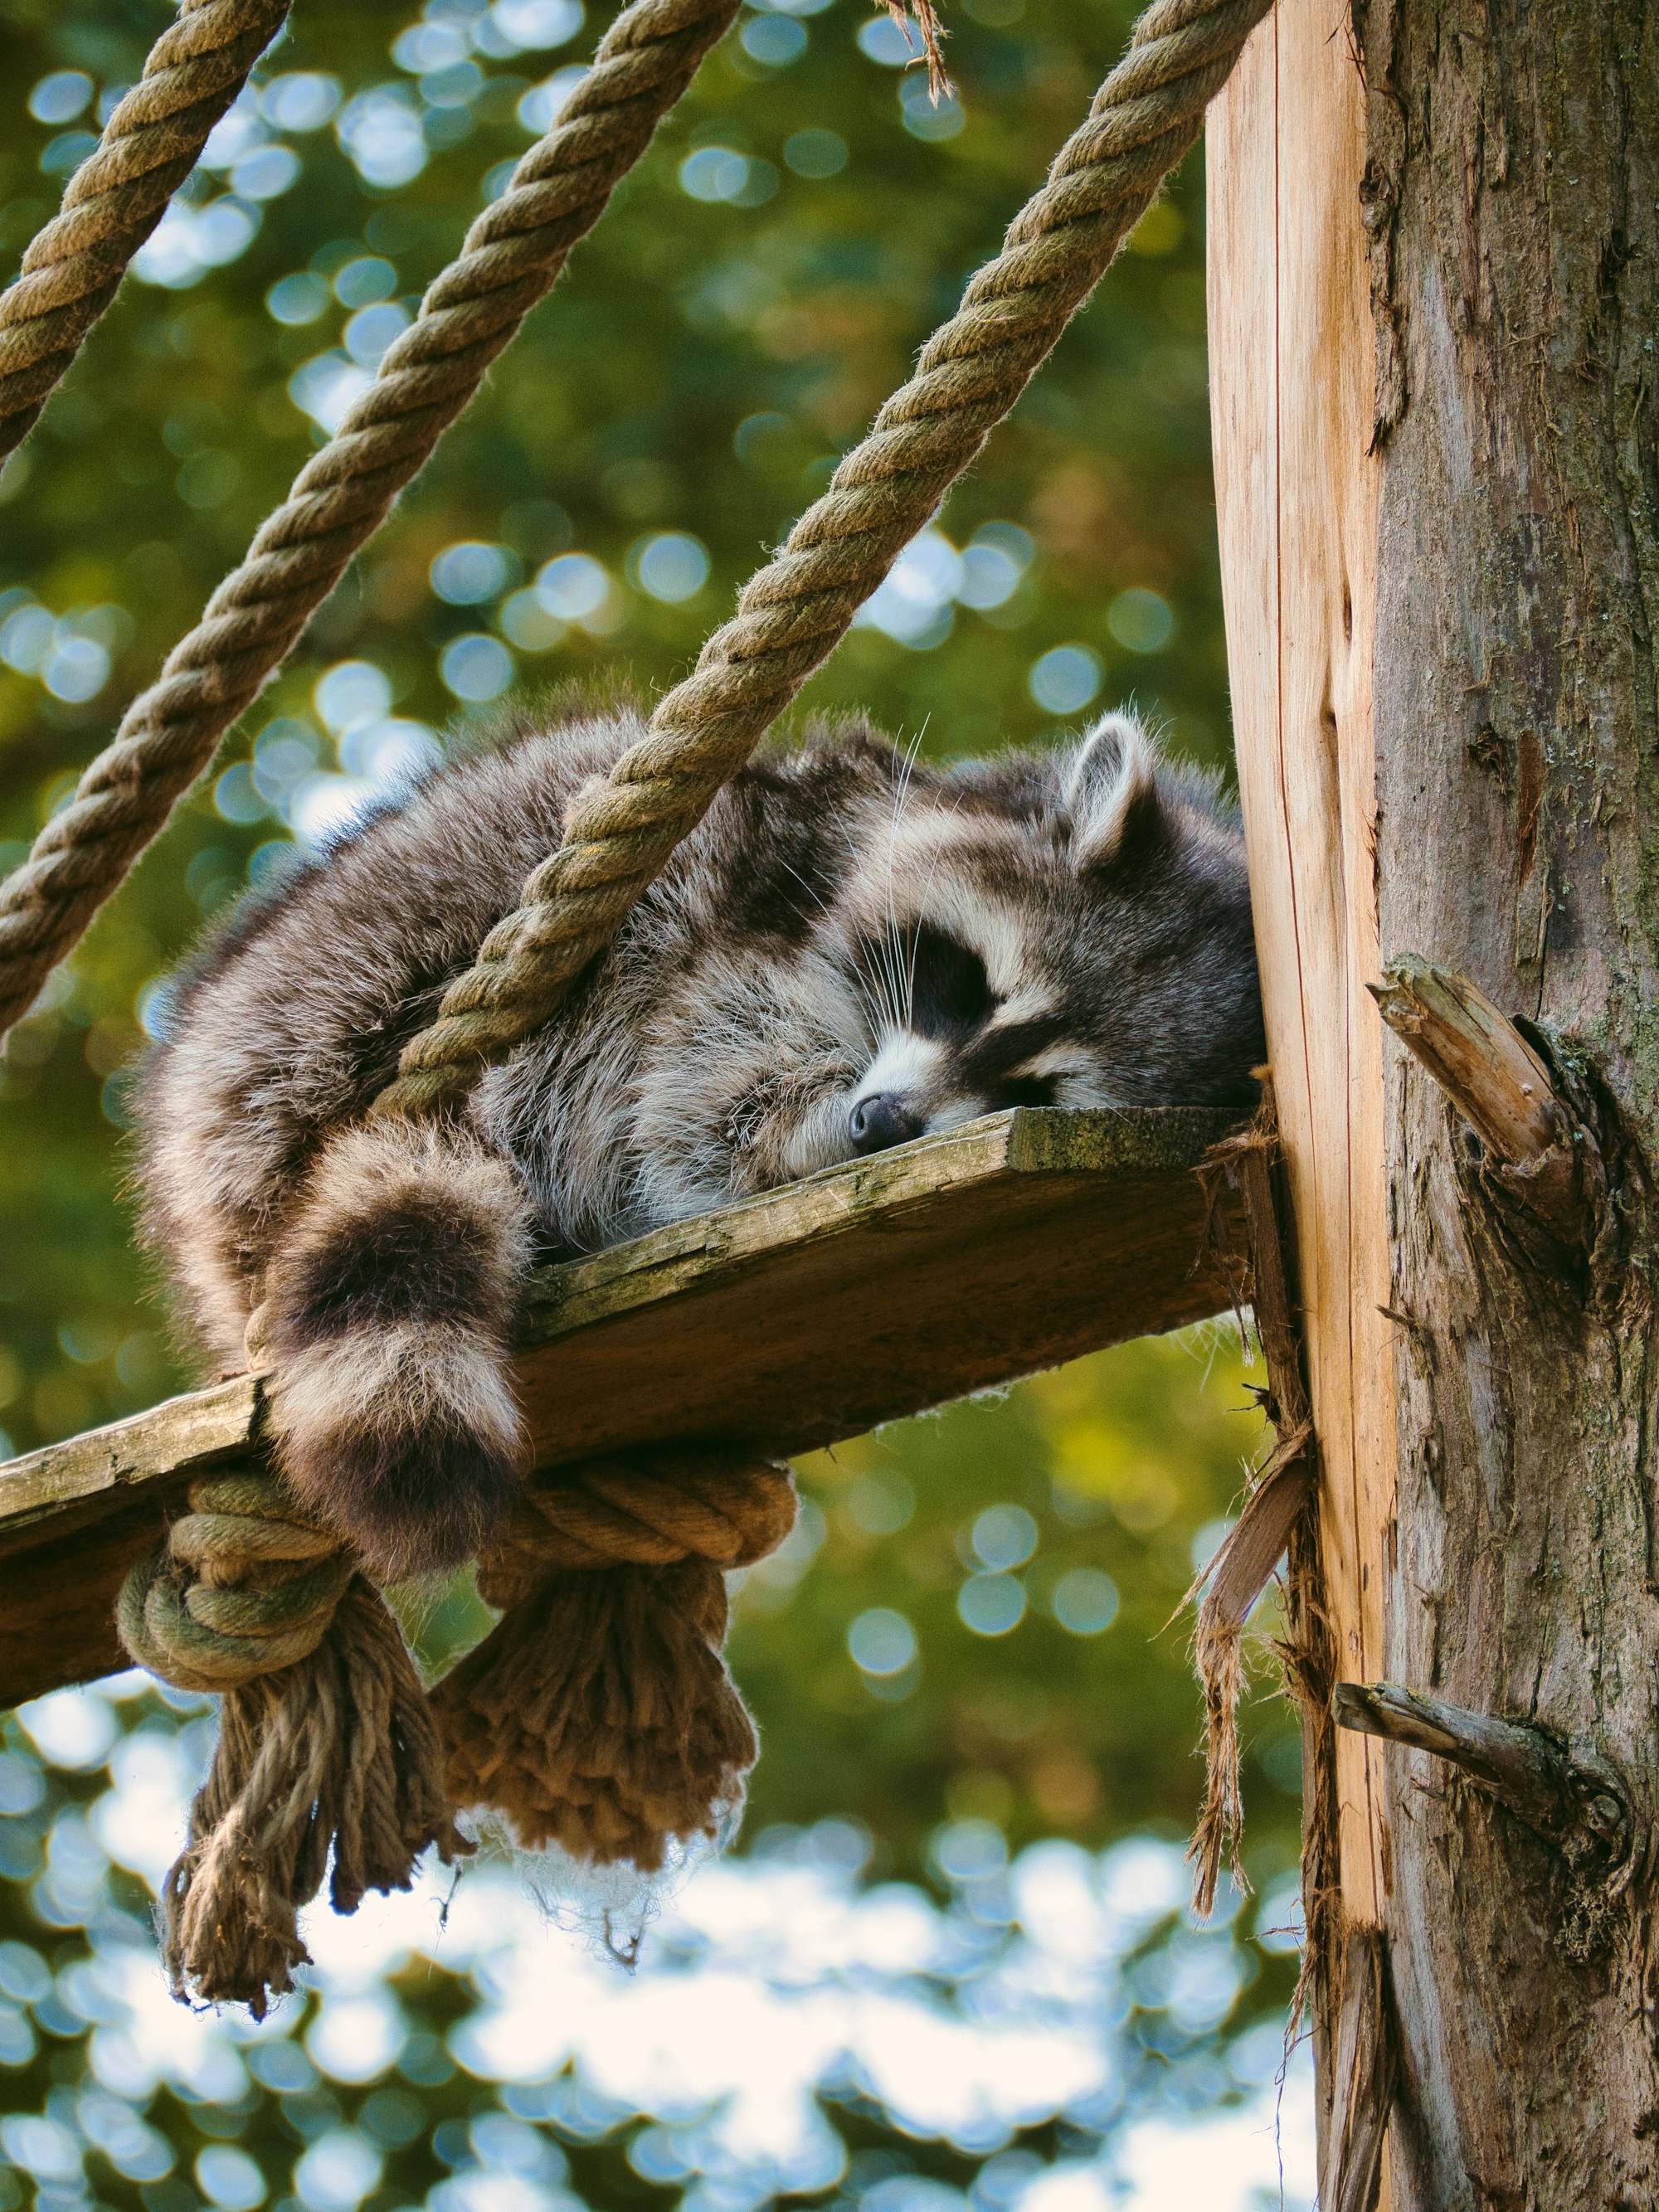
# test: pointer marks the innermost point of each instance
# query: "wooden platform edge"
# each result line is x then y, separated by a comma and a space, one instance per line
1130, 1141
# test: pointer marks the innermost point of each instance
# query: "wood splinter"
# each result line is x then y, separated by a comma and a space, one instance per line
1243, 1165
1578, 1807
1367, 2067
1500, 1085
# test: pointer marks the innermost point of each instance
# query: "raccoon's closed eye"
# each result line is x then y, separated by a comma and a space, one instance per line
952, 994
1026, 1091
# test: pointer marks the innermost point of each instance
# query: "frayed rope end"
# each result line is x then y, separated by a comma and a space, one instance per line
926, 17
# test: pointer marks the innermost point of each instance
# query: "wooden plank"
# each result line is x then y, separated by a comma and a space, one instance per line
1291, 352
869, 1292
90, 1472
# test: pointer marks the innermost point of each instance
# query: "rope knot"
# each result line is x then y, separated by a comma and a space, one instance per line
243, 1586
728, 1509
328, 1764
600, 1714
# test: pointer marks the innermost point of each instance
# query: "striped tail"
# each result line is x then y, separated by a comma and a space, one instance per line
389, 1306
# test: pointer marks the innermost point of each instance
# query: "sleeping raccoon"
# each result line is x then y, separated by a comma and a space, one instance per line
852, 949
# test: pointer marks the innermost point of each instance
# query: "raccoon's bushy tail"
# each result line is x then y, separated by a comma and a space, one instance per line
389, 1301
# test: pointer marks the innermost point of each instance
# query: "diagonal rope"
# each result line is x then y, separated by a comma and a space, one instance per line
621, 830
113, 201
514, 253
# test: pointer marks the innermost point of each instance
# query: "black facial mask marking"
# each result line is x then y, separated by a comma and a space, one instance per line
949, 992
952, 1003
953, 993
992, 1063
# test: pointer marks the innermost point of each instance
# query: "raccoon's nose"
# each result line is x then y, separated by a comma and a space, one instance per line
882, 1120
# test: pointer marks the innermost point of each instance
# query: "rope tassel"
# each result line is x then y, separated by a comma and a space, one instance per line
600, 1714
327, 1747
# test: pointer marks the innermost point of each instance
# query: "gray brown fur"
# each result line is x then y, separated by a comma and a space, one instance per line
850, 949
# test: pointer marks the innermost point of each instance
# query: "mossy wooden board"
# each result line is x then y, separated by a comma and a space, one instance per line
873, 1291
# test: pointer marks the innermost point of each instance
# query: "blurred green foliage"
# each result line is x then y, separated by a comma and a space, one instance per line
1098, 1484
694, 377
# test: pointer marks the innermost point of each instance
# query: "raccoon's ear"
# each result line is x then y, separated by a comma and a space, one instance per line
1109, 788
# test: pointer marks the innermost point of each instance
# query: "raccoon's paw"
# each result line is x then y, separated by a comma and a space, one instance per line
389, 1306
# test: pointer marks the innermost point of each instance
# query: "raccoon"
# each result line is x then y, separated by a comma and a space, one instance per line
853, 948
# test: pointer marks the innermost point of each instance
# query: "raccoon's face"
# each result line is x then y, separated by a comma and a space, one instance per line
957, 1045
1072, 931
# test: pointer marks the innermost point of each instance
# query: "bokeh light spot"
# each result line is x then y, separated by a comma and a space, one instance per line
882, 1641
1065, 679
1085, 1602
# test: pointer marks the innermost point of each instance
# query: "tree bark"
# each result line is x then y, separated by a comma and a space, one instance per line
1500, 746
1518, 561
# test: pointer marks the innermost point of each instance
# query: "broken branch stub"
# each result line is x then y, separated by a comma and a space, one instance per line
1500, 1085
1475, 1053
1576, 1805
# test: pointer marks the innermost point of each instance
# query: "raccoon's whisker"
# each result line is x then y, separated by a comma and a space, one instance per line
922, 915
915, 936
888, 962
904, 758
874, 1010
915, 952
906, 951
902, 974
810, 890
892, 956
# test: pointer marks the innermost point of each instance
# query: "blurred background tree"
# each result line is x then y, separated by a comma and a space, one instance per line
962, 1654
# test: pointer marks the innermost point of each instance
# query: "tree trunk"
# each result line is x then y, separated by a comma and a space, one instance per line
1446, 655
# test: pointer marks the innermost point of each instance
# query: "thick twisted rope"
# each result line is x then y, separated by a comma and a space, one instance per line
610, 1512
514, 253
328, 1757
150, 144
243, 1585
621, 830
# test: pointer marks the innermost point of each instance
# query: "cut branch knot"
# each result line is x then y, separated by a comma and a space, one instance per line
1541, 1159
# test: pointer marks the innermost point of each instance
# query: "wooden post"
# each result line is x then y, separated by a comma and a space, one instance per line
1434, 292
1290, 378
